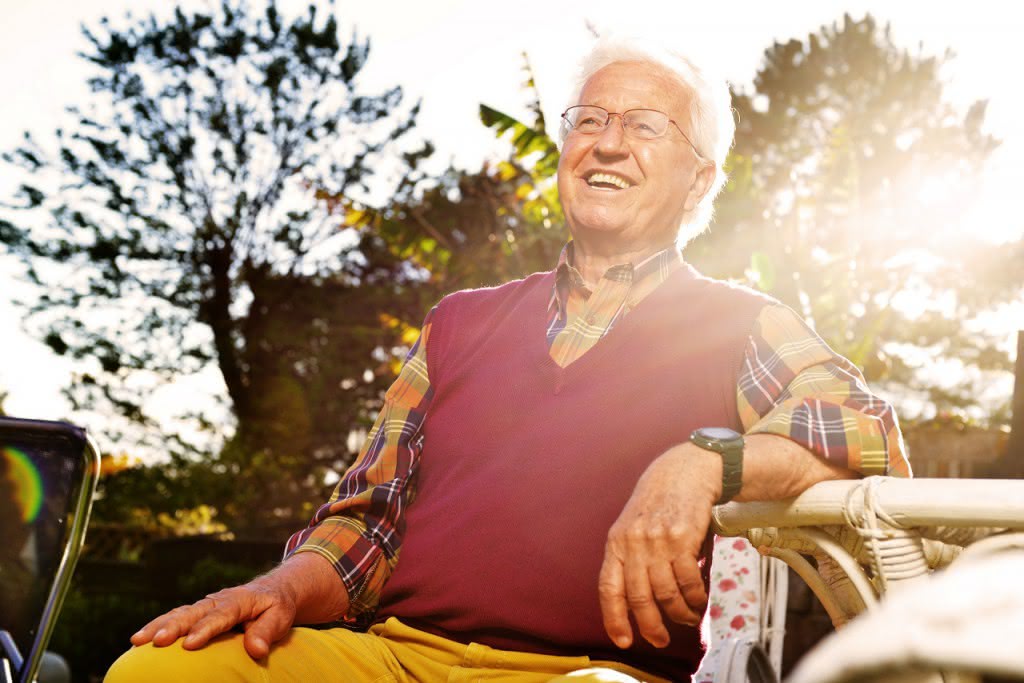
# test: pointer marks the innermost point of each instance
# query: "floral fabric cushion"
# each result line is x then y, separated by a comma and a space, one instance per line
734, 604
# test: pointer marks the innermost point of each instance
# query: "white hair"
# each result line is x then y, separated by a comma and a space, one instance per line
712, 126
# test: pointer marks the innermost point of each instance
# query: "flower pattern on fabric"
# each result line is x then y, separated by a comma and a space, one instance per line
734, 604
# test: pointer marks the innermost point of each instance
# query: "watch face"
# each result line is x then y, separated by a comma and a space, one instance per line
718, 433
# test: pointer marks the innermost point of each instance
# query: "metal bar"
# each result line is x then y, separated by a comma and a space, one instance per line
73, 547
11, 656
1013, 461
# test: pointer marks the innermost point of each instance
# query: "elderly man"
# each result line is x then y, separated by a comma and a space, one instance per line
536, 494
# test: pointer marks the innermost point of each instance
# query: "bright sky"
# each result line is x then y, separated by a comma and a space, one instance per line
455, 54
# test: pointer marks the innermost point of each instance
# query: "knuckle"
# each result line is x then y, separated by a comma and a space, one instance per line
690, 582
609, 590
639, 601
617, 534
666, 594
178, 614
208, 604
636, 533
219, 596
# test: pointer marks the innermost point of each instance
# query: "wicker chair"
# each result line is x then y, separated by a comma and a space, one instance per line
876, 538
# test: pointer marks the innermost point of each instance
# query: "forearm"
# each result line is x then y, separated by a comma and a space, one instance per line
357, 533
775, 467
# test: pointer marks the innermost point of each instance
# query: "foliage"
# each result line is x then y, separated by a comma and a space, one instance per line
93, 629
175, 225
849, 180
210, 575
94, 625
476, 229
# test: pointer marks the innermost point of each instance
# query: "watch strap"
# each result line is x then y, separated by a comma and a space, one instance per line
732, 473
730, 448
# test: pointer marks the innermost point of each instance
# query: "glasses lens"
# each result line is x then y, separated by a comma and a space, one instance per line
587, 119
645, 123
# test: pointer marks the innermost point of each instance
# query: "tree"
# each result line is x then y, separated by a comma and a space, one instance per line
175, 224
479, 228
850, 177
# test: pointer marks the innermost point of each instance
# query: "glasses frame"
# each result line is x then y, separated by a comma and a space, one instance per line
622, 122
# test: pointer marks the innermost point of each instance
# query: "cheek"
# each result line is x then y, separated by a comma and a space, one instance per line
571, 155
570, 158
669, 177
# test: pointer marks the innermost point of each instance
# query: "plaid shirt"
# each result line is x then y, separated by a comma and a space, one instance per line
791, 384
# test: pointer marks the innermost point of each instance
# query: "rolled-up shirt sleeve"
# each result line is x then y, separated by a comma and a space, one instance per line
359, 529
792, 384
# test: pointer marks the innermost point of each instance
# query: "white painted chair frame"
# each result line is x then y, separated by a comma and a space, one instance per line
874, 536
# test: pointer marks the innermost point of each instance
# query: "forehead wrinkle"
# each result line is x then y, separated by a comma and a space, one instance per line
676, 94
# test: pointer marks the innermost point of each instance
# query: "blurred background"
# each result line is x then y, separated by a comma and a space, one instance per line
222, 224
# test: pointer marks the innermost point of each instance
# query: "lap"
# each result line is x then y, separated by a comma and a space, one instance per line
303, 655
391, 652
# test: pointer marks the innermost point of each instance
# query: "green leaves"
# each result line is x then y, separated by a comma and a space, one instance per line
526, 141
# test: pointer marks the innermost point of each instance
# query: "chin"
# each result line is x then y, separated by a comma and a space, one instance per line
601, 224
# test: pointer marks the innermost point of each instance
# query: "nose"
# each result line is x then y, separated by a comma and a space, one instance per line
612, 139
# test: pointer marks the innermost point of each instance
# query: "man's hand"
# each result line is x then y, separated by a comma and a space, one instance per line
650, 560
304, 589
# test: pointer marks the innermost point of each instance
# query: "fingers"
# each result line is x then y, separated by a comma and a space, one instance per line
648, 574
611, 589
651, 557
640, 598
270, 627
691, 585
166, 628
221, 617
145, 634
266, 614
667, 593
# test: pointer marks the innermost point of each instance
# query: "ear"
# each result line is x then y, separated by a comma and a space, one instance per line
702, 181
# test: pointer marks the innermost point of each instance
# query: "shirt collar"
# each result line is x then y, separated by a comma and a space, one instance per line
644, 276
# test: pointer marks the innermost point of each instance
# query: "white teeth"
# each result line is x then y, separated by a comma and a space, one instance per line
609, 179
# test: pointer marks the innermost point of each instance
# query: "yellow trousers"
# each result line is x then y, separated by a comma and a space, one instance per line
389, 652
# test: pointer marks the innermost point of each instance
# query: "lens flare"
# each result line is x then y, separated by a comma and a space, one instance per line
28, 485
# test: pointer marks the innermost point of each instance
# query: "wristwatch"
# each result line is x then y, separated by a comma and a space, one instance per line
728, 444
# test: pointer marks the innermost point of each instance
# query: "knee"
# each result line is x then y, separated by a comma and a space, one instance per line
223, 659
142, 663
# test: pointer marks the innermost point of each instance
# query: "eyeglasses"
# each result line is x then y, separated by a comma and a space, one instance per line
639, 124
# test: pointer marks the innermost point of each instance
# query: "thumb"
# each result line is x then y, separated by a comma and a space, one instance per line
271, 626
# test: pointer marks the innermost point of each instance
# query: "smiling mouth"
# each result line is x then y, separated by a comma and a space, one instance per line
608, 181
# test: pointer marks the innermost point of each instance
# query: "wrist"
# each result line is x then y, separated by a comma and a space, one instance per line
308, 579
728, 445
703, 469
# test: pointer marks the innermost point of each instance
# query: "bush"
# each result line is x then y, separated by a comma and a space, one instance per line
93, 630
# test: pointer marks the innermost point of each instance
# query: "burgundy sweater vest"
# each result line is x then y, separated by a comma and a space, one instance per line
525, 465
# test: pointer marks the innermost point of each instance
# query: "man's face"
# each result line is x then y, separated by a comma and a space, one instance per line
656, 181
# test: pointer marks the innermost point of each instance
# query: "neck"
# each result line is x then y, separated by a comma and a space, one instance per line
594, 262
